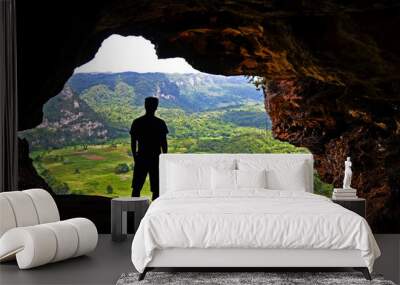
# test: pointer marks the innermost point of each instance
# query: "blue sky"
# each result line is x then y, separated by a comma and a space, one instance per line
119, 54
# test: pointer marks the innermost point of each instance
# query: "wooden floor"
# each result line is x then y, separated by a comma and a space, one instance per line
110, 259
103, 266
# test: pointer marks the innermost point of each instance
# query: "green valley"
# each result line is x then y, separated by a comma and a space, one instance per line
82, 146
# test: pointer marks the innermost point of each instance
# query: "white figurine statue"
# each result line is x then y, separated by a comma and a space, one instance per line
347, 174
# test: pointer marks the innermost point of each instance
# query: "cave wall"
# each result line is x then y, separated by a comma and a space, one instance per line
316, 115
332, 71
28, 176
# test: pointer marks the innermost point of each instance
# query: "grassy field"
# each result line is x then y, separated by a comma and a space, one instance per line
89, 171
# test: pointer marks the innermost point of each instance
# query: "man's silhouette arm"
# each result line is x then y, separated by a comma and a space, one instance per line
133, 146
164, 144
132, 132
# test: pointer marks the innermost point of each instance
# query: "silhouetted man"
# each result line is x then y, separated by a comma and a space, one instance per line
150, 133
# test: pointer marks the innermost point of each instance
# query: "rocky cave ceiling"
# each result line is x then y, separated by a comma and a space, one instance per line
332, 70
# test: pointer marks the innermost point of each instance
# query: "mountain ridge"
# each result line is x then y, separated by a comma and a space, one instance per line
193, 92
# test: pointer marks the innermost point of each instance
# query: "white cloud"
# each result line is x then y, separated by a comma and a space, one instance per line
119, 54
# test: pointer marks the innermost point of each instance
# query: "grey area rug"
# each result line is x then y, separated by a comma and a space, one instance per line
243, 278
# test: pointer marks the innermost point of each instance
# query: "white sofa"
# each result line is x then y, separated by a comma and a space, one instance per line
31, 231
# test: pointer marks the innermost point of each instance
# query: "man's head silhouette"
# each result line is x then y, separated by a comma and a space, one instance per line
150, 104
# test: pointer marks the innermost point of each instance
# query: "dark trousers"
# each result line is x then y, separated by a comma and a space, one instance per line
144, 166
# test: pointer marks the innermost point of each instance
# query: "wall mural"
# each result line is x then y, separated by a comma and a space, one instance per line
331, 83
82, 147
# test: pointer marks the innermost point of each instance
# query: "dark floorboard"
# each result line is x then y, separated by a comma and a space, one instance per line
110, 259
103, 266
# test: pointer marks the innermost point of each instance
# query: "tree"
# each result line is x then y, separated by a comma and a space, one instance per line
60, 188
37, 158
121, 168
109, 189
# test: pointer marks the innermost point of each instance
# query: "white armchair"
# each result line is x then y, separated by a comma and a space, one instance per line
31, 230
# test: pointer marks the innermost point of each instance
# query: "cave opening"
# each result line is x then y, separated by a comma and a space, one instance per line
334, 77
82, 146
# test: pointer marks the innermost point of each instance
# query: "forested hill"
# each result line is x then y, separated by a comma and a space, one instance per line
97, 107
190, 92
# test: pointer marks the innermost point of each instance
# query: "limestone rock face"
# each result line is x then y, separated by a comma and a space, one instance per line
332, 70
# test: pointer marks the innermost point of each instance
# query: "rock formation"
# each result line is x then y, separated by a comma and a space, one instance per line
332, 70
28, 177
